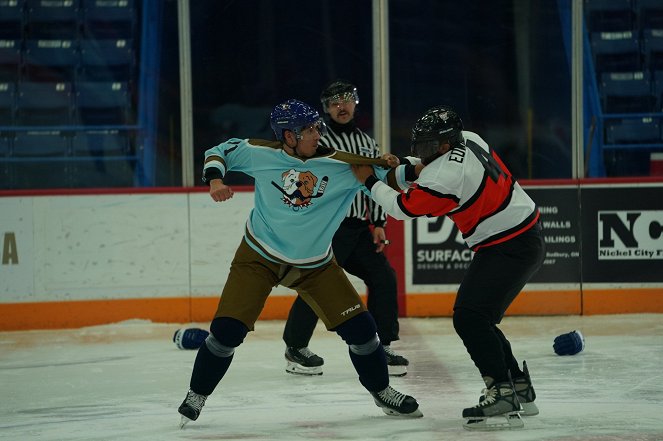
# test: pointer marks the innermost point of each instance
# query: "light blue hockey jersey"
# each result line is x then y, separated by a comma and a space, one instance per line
299, 204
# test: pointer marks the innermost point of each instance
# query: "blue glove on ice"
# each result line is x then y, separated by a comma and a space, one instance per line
189, 338
569, 344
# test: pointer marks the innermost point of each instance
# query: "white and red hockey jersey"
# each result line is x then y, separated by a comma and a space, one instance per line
457, 185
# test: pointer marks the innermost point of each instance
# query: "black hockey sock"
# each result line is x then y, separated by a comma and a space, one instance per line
208, 370
372, 369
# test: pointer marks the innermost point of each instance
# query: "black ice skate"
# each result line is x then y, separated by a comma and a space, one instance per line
395, 403
499, 409
525, 393
303, 362
191, 407
397, 364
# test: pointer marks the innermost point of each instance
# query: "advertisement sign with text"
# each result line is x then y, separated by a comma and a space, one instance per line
623, 234
440, 256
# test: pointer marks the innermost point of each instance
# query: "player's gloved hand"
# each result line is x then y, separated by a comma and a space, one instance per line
569, 344
189, 338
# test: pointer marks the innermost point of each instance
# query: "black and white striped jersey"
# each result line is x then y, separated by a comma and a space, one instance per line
357, 142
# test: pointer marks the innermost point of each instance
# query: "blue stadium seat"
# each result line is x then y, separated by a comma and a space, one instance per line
652, 47
657, 88
4, 146
52, 19
114, 19
44, 160
103, 102
609, 15
102, 158
101, 143
633, 131
41, 144
107, 60
50, 60
7, 103
616, 52
650, 14
44, 104
10, 60
11, 19
626, 92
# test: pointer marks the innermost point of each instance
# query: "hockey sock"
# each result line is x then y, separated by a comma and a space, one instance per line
208, 370
371, 367
366, 352
216, 354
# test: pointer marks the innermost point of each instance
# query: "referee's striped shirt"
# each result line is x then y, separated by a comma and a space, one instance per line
355, 141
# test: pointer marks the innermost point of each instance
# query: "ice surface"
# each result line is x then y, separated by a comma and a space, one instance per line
125, 381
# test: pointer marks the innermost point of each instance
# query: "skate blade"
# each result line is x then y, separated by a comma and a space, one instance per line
416, 414
397, 371
298, 369
499, 422
391, 412
184, 421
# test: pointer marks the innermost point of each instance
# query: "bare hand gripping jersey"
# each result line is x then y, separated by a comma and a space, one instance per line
458, 185
299, 203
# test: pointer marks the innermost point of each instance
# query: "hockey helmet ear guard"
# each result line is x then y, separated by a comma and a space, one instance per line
295, 115
338, 91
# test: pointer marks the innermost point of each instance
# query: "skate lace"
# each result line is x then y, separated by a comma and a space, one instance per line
195, 400
306, 352
391, 396
489, 397
389, 351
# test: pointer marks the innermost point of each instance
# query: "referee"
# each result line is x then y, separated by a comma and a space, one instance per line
358, 245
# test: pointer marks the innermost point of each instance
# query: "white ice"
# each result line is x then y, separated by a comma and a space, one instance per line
125, 381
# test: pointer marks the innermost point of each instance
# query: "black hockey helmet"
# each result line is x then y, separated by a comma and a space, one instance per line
340, 90
437, 126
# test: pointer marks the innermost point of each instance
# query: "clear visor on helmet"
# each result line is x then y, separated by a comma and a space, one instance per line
425, 147
319, 126
343, 98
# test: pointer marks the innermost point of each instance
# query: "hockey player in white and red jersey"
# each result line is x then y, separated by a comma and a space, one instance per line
456, 174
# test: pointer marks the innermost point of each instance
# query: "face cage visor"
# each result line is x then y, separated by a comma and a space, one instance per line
319, 125
342, 98
425, 147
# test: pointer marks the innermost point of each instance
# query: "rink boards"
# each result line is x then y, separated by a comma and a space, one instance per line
87, 258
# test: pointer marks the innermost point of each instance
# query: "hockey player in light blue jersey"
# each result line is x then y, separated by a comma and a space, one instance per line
302, 193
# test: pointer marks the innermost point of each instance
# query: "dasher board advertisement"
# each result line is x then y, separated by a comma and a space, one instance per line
623, 234
440, 256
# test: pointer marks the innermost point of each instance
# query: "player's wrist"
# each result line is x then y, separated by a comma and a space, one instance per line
370, 182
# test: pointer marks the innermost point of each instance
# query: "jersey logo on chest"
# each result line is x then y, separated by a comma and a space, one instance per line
299, 187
